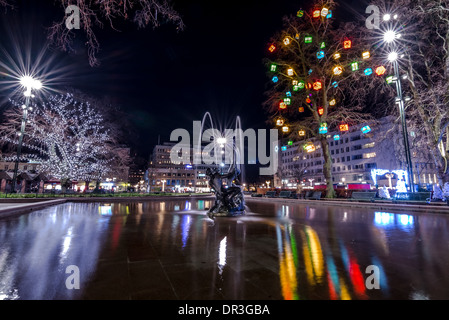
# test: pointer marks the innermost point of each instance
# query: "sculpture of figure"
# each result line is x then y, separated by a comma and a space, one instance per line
437, 193
229, 199
384, 193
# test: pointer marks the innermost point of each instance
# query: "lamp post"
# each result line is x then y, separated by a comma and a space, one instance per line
28, 83
389, 37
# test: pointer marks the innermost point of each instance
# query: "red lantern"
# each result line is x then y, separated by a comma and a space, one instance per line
320, 111
344, 127
272, 48
380, 70
347, 44
316, 13
301, 109
282, 105
308, 100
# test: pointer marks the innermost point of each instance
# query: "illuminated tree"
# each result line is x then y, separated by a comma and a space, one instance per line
320, 74
68, 138
96, 13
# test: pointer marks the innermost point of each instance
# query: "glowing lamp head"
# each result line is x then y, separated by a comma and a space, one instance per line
392, 56
30, 83
387, 17
390, 36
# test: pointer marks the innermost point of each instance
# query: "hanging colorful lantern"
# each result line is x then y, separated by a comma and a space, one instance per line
389, 79
275, 79
272, 48
301, 109
323, 128
309, 85
295, 82
344, 127
297, 36
338, 70
366, 55
287, 101
273, 67
308, 100
320, 111
295, 88
354, 66
337, 56
324, 12
333, 102
285, 129
308, 39
317, 86
322, 45
284, 148
368, 71
316, 13
329, 15
279, 122
336, 137
290, 143
300, 13
301, 84
309, 147
282, 105
366, 129
288, 94
380, 71
310, 71
286, 41
347, 44
290, 72
302, 133
320, 55
335, 84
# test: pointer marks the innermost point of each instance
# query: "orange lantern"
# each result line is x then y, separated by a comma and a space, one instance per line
320, 111
317, 86
282, 105
344, 127
380, 70
347, 44
301, 109
316, 13
272, 48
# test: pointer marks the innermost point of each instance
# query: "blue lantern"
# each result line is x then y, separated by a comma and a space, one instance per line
320, 55
275, 79
337, 137
335, 84
368, 71
366, 129
288, 94
329, 15
284, 148
323, 128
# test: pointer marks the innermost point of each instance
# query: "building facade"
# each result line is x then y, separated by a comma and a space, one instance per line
355, 155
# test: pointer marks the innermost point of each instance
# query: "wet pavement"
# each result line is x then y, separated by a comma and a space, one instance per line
171, 250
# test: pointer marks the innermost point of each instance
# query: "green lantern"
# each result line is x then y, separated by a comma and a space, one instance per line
323, 45
354, 66
308, 39
300, 13
273, 67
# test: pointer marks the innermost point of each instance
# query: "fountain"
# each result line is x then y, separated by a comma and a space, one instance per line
229, 199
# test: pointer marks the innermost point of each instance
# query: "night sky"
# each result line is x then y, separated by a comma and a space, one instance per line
164, 79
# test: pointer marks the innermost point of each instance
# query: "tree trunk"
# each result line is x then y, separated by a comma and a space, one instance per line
327, 167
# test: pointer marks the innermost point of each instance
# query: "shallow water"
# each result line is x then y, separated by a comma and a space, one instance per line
172, 250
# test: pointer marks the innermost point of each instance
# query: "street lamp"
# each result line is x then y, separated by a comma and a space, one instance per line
28, 83
393, 56
163, 185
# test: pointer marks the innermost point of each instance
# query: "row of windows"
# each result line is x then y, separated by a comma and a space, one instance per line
343, 168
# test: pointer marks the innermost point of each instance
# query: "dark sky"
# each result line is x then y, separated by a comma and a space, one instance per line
163, 79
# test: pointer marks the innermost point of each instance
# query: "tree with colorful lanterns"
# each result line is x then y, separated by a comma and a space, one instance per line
320, 72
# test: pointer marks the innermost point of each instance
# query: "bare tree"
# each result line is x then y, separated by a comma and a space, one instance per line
97, 13
423, 48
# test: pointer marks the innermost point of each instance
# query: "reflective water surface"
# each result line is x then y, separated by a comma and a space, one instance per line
171, 250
